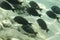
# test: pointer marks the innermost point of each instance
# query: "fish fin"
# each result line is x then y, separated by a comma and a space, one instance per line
47, 30
13, 10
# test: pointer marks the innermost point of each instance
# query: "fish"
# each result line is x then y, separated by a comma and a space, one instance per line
52, 15
14, 1
33, 12
34, 5
21, 20
42, 24
29, 30
56, 9
6, 6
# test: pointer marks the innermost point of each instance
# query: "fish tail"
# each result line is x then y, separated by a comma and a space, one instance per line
40, 9
39, 15
58, 19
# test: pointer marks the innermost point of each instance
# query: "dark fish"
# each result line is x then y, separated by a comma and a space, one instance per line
21, 20
42, 24
34, 5
56, 9
33, 12
16, 4
28, 29
6, 6
14, 1
52, 15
